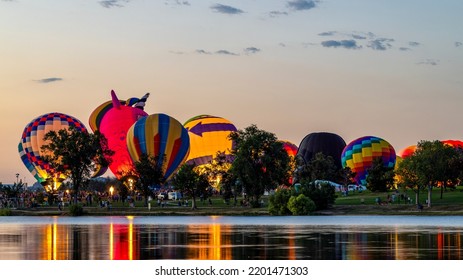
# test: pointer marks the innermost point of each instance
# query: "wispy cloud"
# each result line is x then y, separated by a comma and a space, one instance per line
225, 52
413, 44
49, 80
251, 50
429, 61
177, 3
348, 44
380, 44
458, 44
300, 5
224, 9
277, 13
113, 3
201, 51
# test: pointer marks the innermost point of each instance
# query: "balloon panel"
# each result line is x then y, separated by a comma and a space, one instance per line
360, 153
208, 136
159, 135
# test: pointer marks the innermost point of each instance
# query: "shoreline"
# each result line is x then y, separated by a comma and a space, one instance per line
336, 210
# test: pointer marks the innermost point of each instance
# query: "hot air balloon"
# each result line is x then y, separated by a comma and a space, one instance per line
290, 148
329, 144
358, 155
454, 143
32, 140
160, 136
208, 136
406, 152
113, 119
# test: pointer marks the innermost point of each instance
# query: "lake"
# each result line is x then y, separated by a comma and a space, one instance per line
231, 238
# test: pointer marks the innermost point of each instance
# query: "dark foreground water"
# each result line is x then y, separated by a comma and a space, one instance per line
237, 238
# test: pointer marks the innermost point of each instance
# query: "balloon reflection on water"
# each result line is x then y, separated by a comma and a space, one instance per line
125, 238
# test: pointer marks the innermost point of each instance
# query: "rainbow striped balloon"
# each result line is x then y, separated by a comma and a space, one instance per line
161, 136
359, 154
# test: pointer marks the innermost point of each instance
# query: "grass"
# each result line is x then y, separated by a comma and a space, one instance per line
450, 197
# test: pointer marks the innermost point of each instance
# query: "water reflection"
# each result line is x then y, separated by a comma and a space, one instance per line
129, 240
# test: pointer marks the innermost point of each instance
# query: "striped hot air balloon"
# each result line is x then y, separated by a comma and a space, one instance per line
161, 136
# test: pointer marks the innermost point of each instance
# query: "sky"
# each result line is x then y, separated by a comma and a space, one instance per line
391, 69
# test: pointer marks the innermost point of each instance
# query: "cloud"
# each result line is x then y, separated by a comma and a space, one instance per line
225, 52
458, 44
113, 3
348, 44
328, 33
277, 13
49, 80
380, 44
177, 3
251, 50
300, 5
404, 49
202, 52
224, 9
413, 44
432, 62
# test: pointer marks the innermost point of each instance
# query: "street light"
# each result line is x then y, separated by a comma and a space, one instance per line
17, 176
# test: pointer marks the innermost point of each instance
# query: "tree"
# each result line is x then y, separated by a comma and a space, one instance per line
301, 205
260, 162
149, 172
321, 167
432, 164
190, 182
380, 178
76, 154
278, 202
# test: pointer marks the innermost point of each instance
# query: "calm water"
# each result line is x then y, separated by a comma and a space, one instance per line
238, 238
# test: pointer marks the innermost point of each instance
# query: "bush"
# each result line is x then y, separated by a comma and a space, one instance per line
5, 212
322, 195
278, 203
301, 205
76, 210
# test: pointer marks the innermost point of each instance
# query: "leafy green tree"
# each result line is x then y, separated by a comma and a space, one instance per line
301, 205
380, 178
190, 182
149, 172
278, 202
13, 191
260, 162
323, 194
77, 154
432, 164
321, 167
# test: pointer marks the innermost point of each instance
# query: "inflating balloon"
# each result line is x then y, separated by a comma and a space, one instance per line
329, 144
359, 154
32, 140
159, 136
113, 119
208, 136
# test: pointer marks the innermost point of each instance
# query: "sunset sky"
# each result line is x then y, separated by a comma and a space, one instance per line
392, 69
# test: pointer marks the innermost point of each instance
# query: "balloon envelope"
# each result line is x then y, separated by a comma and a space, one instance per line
161, 136
208, 136
32, 140
359, 154
329, 144
113, 119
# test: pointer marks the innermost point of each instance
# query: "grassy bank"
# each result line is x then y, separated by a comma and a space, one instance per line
354, 203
